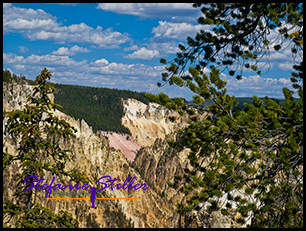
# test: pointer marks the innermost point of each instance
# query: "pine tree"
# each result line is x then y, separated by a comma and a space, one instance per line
257, 150
37, 134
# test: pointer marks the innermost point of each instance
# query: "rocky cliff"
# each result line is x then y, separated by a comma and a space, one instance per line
157, 163
149, 122
94, 156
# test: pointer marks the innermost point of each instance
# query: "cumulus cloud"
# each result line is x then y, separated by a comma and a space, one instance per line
6, 5
131, 48
175, 11
102, 61
16, 18
11, 58
285, 66
260, 86
178, 31
152, 50
70, 51
164, 41
100, 72
137, 77
39, 25
125, 70
143, 53
34, 62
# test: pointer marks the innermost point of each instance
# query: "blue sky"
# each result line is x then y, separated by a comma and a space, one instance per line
116, 45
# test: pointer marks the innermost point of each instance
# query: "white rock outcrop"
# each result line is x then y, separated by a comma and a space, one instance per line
149, 122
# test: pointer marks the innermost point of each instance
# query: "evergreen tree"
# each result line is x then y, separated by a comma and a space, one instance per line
7, 76
37, 134
257, 150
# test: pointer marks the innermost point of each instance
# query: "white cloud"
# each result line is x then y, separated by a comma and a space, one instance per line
181, 11
152, 50
39, 25
6, 5
102, 61
34, 61
284, 81
137, 77
78, 49
16, 18
286, 66
178, 31
131, 48
143, 53
100, 72
124, 70
68, 4
23, 49
11, 58
70, 51
259, 86
164, 48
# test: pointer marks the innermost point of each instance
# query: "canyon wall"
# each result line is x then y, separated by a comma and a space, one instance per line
149, 122
93, 156
146, 155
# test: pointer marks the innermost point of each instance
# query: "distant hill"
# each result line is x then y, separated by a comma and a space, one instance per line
101, 108
241, 100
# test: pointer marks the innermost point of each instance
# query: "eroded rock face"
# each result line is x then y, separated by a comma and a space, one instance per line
93, 156
149, 122
123, 142
158, 164
15, 96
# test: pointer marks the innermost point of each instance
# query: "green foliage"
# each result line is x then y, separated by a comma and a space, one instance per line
257, 149
240, 36
297, 77
101, 108
37, 134
8, 78
270, 136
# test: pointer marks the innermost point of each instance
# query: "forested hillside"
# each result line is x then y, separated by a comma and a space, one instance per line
101, 108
